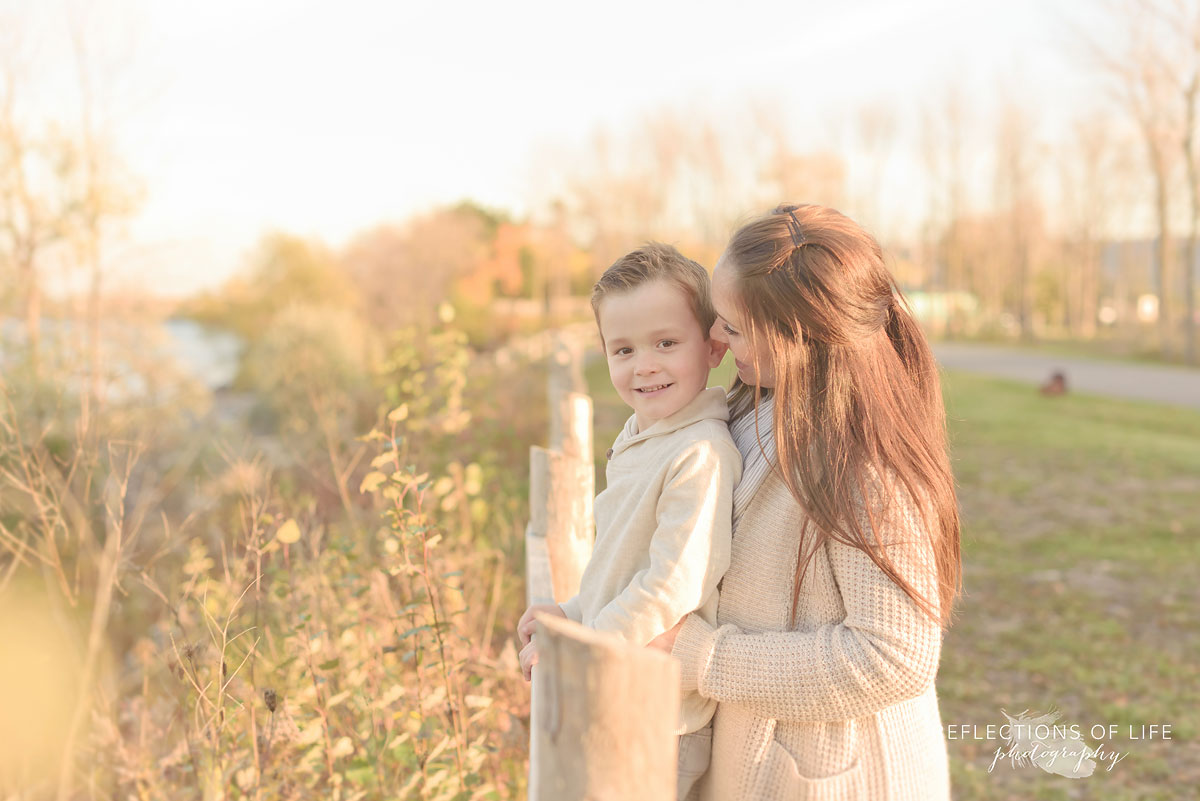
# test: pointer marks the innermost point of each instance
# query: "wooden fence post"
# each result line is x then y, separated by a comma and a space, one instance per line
558, 544
539, 586
562, 530
565, 377
605, 716
570, 524
562, 486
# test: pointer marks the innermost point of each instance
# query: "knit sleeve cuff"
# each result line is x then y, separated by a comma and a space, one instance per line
693, 648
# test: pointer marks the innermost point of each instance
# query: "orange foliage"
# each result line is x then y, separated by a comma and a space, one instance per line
500, 269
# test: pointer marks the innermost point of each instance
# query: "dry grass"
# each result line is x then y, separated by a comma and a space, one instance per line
334, 624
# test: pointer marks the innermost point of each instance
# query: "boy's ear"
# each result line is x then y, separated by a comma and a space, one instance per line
716, 351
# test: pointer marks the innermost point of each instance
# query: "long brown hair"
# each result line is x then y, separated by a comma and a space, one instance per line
858, 402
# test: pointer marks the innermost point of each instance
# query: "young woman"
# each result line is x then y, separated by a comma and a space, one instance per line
845, 558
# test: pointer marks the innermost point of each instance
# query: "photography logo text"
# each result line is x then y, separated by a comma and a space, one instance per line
1038, 739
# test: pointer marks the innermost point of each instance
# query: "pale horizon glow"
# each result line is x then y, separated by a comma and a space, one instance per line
324, 120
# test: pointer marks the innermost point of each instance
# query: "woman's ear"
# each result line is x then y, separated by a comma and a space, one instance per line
716, 351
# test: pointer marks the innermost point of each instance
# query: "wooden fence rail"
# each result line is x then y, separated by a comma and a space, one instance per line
602, 711
602, 718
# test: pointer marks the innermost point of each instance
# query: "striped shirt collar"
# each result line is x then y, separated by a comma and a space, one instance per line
756, 461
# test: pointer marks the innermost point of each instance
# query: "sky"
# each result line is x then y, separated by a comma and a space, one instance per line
323, 119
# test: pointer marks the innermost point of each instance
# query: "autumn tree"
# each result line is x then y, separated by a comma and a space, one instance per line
402, 272
500, 272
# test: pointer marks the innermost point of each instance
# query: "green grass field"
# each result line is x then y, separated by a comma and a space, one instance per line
1081, 532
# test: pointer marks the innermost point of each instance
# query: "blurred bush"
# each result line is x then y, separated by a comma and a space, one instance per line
310, 366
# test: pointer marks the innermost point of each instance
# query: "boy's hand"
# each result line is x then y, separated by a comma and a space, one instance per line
525, 629
529, 658
665, 642
526, 626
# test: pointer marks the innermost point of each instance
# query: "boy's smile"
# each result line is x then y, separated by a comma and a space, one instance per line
658, 355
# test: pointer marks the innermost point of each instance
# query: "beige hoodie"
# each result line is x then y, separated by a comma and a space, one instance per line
663, 531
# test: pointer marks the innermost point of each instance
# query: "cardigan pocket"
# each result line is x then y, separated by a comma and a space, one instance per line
778, 778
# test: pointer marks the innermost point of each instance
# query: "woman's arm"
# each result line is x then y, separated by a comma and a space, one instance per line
885, 651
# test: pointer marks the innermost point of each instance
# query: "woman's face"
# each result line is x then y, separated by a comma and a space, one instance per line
729, 329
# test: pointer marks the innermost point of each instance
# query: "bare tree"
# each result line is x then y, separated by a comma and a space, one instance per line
795, 175
876, 127
1017, 200
670, 177
61, 186
1141, 77
613, 203
552, 258
103, 191
33, 203
716, 201
1184, 21
943, 133
1089, 177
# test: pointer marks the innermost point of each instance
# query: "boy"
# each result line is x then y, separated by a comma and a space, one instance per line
663, 523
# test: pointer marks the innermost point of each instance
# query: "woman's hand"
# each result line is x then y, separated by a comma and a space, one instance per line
666, 641
525, 630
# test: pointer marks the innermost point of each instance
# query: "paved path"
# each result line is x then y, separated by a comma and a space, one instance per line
1179, 386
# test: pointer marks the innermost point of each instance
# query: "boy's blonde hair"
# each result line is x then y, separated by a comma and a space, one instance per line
656, 261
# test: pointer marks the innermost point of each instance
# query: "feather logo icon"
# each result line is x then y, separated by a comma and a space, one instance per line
1034, 739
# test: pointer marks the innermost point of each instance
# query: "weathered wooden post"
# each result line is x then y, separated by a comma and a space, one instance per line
559, 538
604, 716
562, 483
570, 525
539, 586
565, 377
562, 486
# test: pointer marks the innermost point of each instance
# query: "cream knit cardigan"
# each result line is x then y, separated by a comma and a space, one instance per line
843, 706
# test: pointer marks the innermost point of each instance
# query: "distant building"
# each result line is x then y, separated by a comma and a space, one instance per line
939, 312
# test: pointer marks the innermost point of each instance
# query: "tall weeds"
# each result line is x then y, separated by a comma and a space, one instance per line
245, 633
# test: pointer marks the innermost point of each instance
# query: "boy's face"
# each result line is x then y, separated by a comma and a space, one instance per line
658, 355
